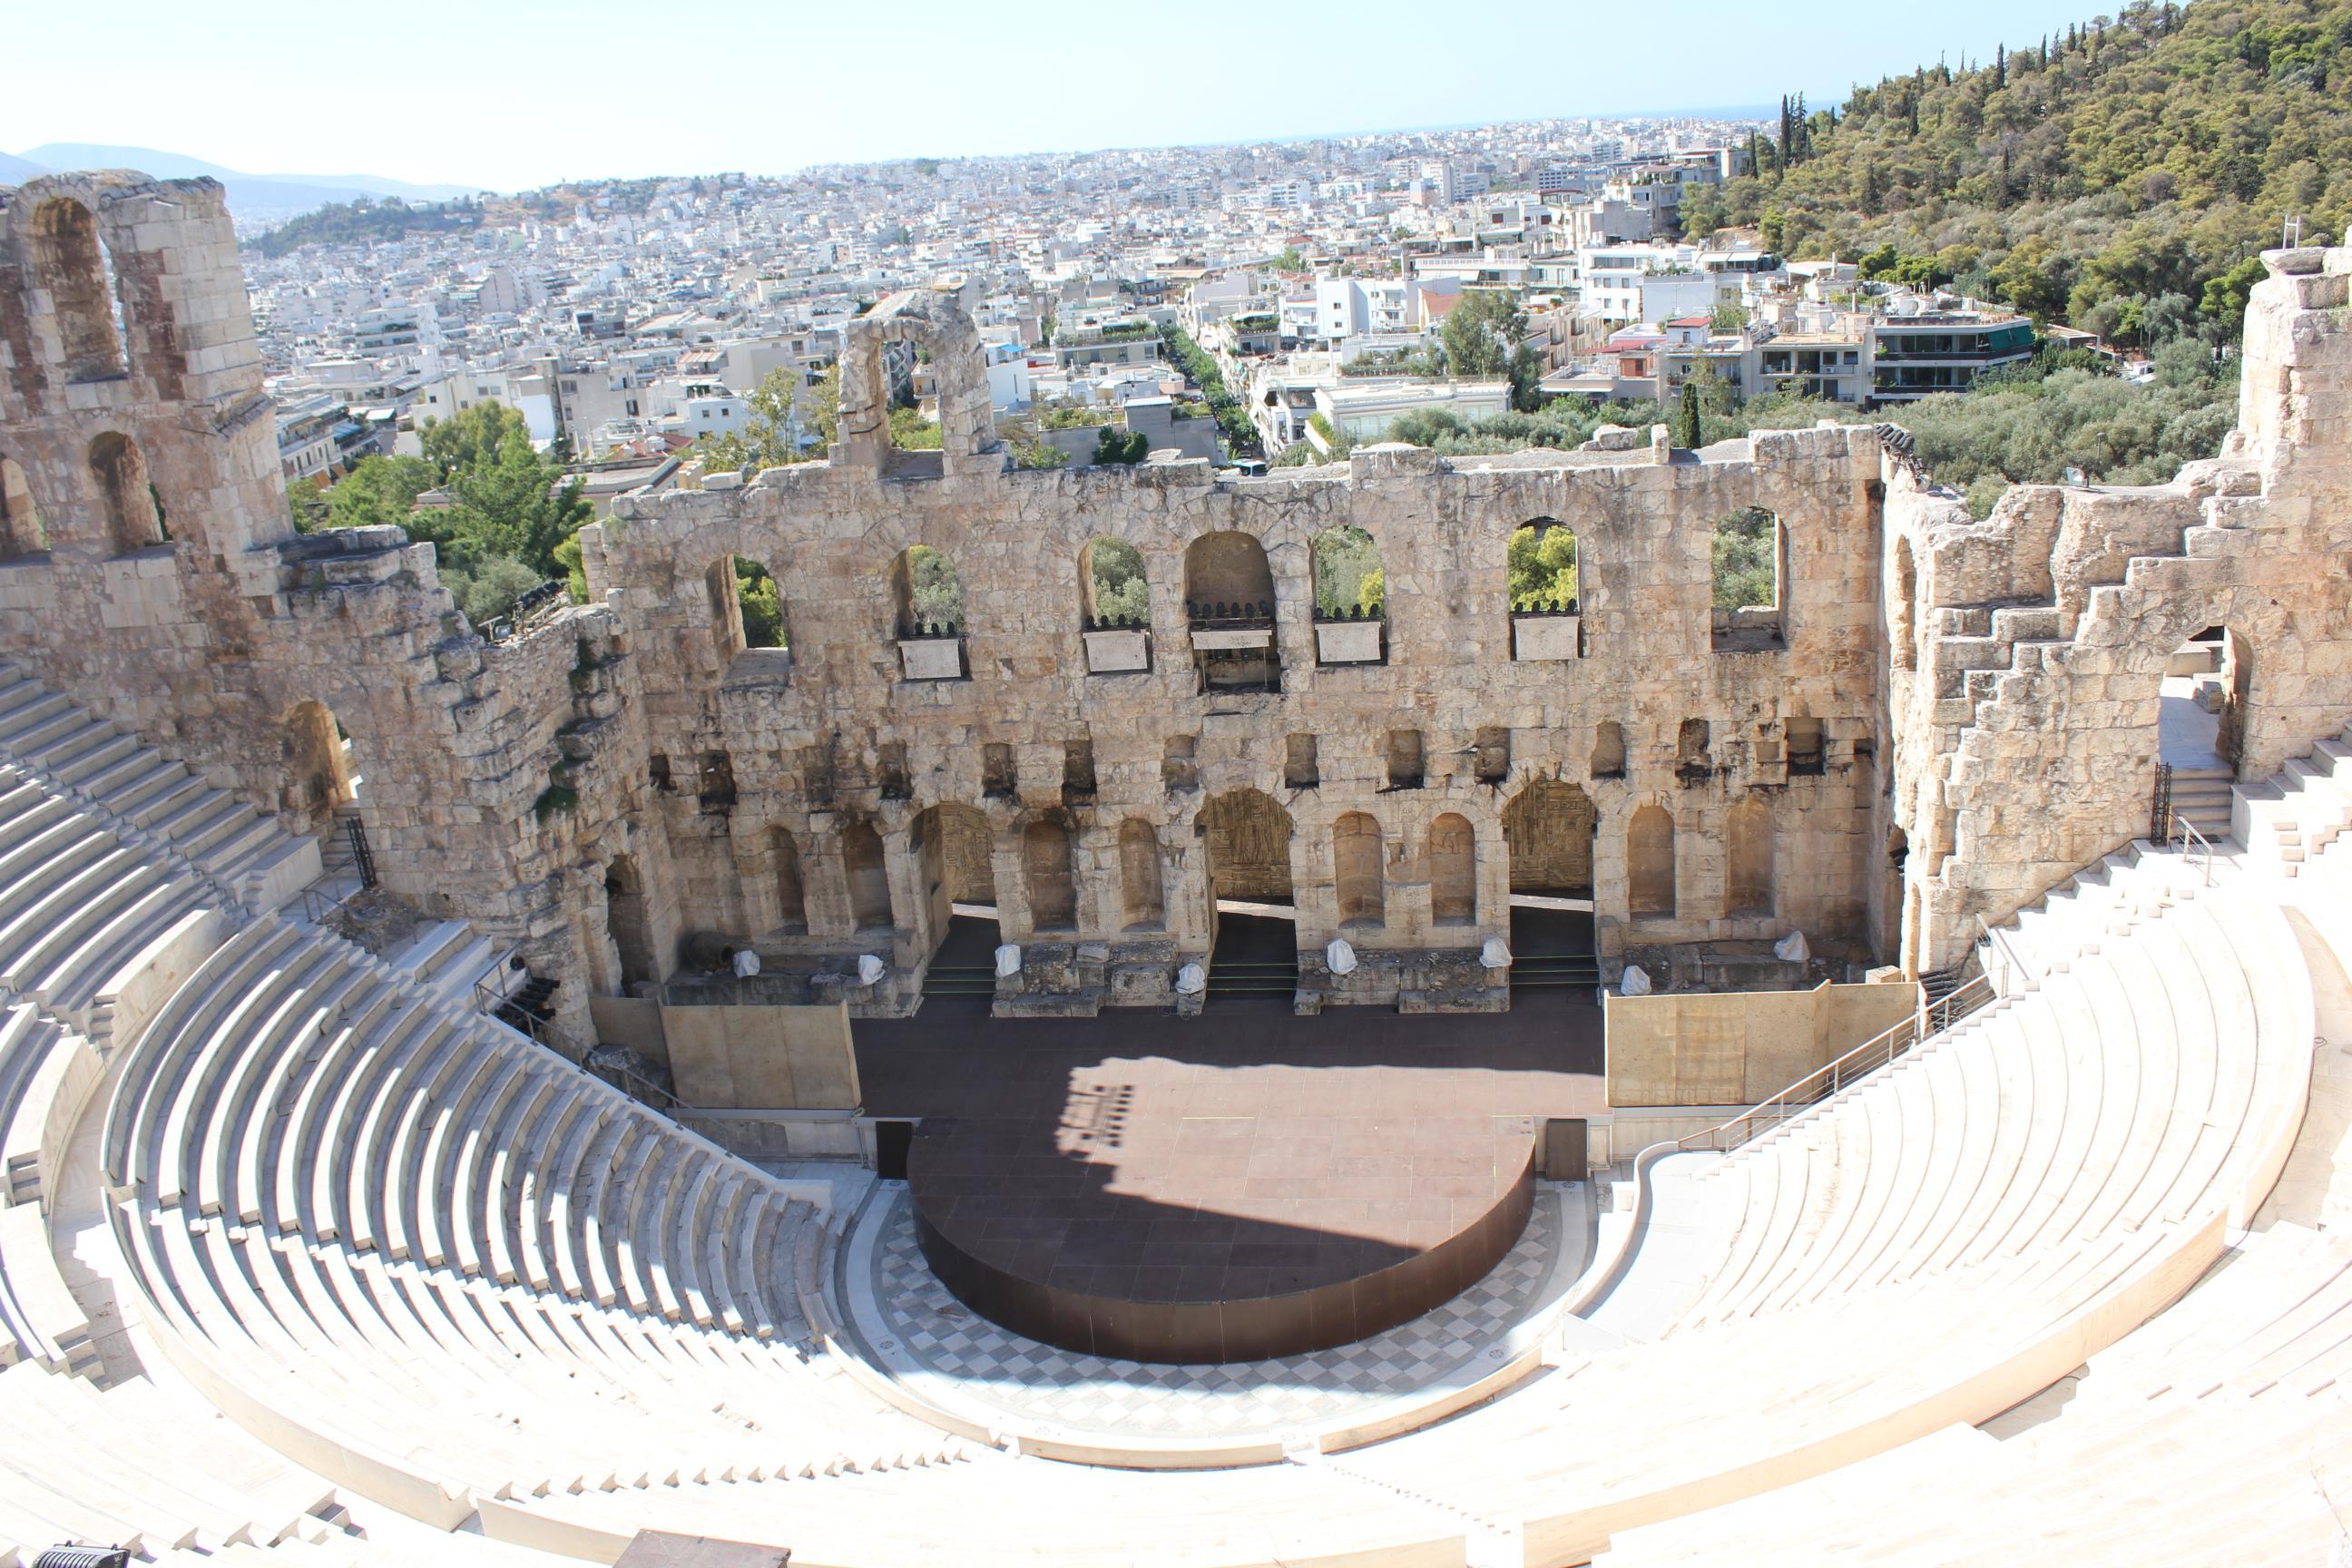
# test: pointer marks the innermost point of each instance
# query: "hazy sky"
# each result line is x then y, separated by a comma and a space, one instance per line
514, 93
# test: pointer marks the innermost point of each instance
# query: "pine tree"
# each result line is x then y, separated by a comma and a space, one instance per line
1999, 66
1686, 425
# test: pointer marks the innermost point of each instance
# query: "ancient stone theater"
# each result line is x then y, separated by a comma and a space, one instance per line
998, 1076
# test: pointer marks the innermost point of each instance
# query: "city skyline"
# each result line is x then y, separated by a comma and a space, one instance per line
1021, 88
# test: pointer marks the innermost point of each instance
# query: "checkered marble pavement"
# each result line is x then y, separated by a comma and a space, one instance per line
1455, 1344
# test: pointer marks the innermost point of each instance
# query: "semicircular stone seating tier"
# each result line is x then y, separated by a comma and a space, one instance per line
421, 1264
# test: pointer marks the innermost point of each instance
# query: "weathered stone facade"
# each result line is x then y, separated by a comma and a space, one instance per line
1939, 719
898, 752
2025, 650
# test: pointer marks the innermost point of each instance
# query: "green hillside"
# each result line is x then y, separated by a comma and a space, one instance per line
2118, 175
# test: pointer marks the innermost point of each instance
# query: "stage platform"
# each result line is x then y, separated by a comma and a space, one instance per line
1226, 1188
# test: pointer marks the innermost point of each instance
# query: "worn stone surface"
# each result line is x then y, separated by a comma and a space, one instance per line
1952, 716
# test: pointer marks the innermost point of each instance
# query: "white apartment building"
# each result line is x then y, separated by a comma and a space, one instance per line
1362, 410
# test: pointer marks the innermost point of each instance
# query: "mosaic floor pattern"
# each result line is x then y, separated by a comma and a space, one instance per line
926, 1338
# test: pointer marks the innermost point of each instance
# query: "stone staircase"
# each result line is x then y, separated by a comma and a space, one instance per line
151, 802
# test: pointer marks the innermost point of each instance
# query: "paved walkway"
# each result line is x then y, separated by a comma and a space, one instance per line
914, 1330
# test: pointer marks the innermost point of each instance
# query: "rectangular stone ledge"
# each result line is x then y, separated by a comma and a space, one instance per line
1234, 638
1348, 642
1540, 638
1118, 652
931, 658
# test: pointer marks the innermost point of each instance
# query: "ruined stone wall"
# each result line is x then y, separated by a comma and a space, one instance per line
185, 606
1953, 716
2026, 650
836, 733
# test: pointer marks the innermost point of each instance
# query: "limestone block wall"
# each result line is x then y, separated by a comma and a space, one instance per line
1944, 718
2026, 651
834, 742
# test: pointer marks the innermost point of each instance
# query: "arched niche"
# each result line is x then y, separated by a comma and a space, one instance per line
1547, 831
1358, 870
1649, 862
1142, 896
1453, 871
1229, 603
21, 533
865, 868
1247, 835
1227, 568
784, 873
318, 770
126, 494
70, 263
1048, 876
1750, 851
625, 923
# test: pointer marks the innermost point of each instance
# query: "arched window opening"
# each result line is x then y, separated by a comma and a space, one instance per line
133, 519
1902, 626
1453, 871
73, 266
625, 921
726, 611
749, 626
1229, 603
1142, 900
1749, 562
759, 607
792, 894
1112, 582
1546, 599
2207, 692
1357, 870
954, 848
1114, 608
927, 594
1046, 868
20, 521
1748, 858
1649, 862
1351, 597
318, 766
868, 872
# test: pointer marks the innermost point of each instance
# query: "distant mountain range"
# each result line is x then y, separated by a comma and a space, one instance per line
256, 197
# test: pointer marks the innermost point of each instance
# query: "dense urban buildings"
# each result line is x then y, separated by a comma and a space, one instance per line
855, 870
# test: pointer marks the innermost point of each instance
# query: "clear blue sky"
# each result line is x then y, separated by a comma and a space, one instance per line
513, 93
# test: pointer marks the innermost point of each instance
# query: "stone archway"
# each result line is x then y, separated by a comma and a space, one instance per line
955, 857
1248, 838
929, 321
319, 777
1548, 828
625, 923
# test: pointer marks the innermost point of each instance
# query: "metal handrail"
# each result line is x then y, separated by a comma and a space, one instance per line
1998, 937
488, 999
643, 1086
1865, 1058
2185, 834
317, 906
